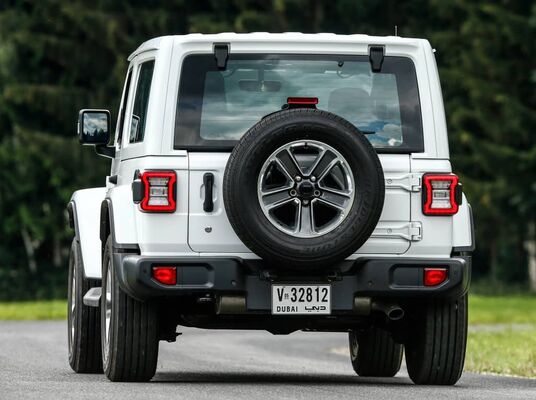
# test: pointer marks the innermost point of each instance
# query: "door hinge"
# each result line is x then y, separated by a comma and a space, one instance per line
415, 231
411, 231
376, 56
221, 53
408, 182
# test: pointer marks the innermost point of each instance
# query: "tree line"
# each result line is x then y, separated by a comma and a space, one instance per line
57, 56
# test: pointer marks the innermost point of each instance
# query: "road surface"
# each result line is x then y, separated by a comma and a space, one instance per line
223, 365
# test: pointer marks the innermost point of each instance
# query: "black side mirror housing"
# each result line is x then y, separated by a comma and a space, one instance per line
94, 129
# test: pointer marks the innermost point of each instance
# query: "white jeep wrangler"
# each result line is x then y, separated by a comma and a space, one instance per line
279, 182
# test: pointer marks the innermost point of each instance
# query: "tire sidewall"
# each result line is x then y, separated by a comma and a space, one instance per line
107, 260
73, 318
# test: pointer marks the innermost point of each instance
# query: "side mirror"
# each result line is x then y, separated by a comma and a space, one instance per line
94, 127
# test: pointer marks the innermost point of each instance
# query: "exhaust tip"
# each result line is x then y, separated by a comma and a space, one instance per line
395, 314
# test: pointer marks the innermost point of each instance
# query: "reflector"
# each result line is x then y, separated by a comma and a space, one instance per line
165, 275
434, 276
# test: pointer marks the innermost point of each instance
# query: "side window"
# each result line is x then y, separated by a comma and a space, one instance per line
122, 110
141, 101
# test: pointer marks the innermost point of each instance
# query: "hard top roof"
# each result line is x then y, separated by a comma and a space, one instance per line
230, 37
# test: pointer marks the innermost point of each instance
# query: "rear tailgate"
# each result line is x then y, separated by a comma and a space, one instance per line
211, 232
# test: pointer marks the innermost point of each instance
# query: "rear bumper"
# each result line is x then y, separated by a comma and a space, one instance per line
395, 278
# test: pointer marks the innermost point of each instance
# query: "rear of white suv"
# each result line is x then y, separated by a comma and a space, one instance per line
282, 182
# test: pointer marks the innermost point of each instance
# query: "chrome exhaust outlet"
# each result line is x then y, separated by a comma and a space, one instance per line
393, 311
231, 305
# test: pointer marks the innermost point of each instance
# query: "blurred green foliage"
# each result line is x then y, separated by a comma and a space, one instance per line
57, 56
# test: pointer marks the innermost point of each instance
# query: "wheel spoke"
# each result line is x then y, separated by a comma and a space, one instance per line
319, 158
276, 198
313, 199
325, 161
329, 160
306, 220
333, 199
339, 198
288, 164
280, 203
266, 193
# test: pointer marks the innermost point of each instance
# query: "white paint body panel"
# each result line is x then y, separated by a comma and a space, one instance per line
403, 231
462, 233
87, 205
212, 232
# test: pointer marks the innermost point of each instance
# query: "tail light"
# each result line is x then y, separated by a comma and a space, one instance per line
158, 191
441, 194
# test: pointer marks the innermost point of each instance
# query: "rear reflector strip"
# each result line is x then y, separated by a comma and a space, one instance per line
434, 276
165, 275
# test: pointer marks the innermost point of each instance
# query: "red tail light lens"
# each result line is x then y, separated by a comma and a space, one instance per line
434, 276
159, 191
441, 194
165, 275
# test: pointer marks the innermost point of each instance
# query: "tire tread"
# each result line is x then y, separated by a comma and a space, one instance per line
86, 354
134, 352
378, 354
435, 355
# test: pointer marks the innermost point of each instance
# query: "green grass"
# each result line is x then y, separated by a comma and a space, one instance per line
507, 352
33, 310
518, 309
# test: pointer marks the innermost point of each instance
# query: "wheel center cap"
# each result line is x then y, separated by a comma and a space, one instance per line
306, 189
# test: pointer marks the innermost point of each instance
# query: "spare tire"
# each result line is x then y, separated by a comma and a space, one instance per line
303, 189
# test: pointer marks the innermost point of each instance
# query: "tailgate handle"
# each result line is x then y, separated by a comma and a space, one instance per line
208, 181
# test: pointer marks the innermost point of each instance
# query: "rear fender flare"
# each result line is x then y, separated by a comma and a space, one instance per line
83, 212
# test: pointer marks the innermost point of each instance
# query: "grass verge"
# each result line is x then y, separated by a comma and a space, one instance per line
33, 310
513, 309
509, 352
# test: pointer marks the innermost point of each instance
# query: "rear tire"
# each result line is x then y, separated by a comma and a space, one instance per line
373, 352
435, 351
83, 322
129, 335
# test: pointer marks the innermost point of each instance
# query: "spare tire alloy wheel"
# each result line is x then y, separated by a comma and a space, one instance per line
303, 189
306, 188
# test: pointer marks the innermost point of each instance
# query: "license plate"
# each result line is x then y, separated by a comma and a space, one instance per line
301, 299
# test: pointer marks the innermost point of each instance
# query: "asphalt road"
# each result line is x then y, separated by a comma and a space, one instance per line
223, 365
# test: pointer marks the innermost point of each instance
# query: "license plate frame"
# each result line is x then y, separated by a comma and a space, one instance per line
287, 299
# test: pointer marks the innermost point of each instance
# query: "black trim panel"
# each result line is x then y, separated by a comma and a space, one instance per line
107, 227
395, 278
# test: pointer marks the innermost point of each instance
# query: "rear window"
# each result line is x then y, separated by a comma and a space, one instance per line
216, 107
